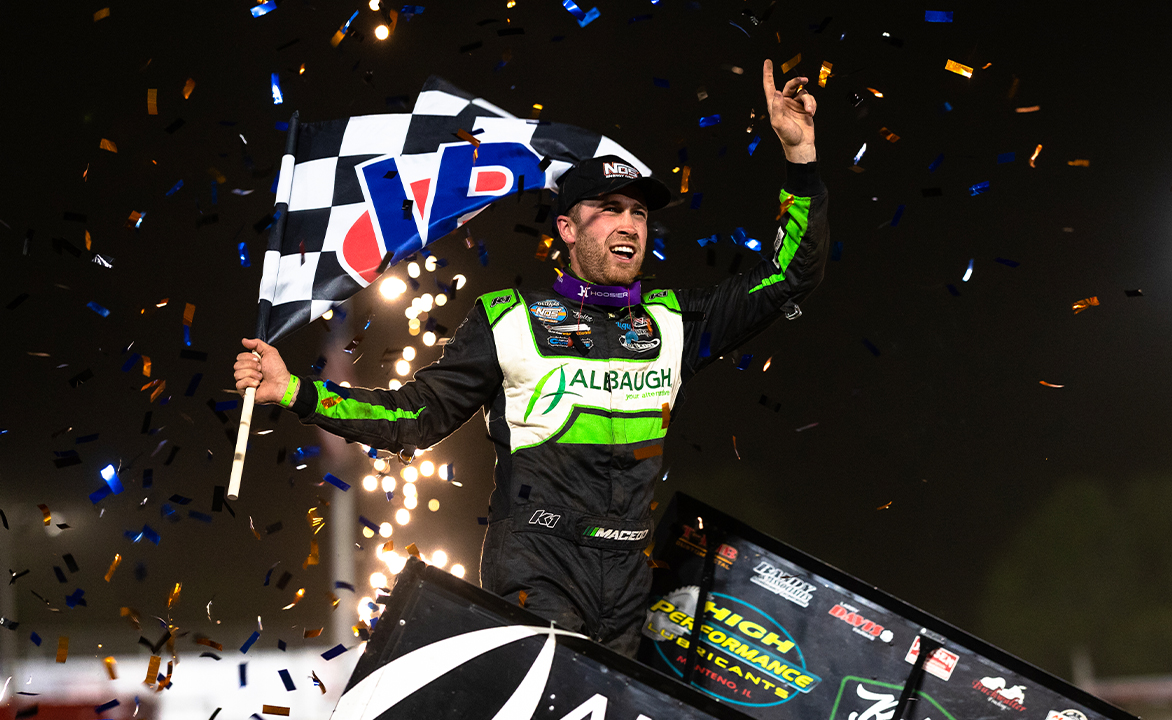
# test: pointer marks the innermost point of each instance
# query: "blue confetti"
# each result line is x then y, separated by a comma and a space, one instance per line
408, 10
936, 163
697, 198
336, 482
282, 126
278, 98
658, 249
952, 289
175, 189
243, 674
483, 253
100, 494
754, 143
110, 475
705, 340
745, 361
1005, 261
36, 639
248, 643
638, 18
937, 16
947, 108
660, 82
859, 154
245, 261
738, 236
1005, 157
146, 533
276, 181
334, 652
753, 244
368, 522
227, 405
75, 599
346, 27
591, 15
738, 27
281, 645
191, 386
106, 706
709, 120
196, 515
968, 273
898, 215
338, 584
979, 188
98, 308
187, 335
130, 362
710, 240
289, 686
307, 452
264, 8
836, 251
874, 350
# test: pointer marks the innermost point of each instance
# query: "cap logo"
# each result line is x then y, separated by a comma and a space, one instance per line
617, 169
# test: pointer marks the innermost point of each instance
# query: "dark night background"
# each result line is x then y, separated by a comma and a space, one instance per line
1035, 517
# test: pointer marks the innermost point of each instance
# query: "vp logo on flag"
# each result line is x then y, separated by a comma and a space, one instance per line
415, 199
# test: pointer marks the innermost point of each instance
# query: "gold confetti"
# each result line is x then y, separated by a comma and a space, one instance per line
188, 88
315, 521
767, 364
166, 681
1085, 303
1034, 157
316, 679
334, 600
685, 174
114, 566
296, 599
152, 670
152, 101
162, 303
1030, 109
953, 66
188, 314
45, 511
785, 205
654, 504
388, 546
665, 413
649, 451
875, 92
522, 597
986, 66
888, 135
1079, 163
312, 633
208, 642
413, 551
111, 667
146, 366
217, 175
173, 598
88, 241
62, 648
824, 72
131, 221
537, 108
103, 13
884, 507
314, 555
738, 454
791, 63
108, 145
543, 246
1013, 87
252, 527
1043, 382
133, 615
275, 710
159, 390
467, 137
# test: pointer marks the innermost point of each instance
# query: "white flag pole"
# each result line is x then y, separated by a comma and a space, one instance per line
284, 188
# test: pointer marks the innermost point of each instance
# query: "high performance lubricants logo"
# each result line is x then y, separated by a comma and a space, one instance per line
747, 657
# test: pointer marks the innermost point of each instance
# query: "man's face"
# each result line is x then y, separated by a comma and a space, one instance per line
606, 237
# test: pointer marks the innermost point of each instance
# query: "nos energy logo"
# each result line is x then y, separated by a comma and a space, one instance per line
416, 199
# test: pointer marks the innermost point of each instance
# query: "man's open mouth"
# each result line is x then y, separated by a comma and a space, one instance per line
626, 252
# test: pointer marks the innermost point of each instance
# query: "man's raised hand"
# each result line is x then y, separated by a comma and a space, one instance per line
791, 113
267, 373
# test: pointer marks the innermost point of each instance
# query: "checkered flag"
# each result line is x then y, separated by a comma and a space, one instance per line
359, 194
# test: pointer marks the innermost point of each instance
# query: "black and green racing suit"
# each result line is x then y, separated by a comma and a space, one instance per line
576, 395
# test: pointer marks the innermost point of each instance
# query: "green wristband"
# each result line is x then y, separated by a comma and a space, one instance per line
290, 391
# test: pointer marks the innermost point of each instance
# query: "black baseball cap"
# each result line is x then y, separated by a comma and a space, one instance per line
603, 175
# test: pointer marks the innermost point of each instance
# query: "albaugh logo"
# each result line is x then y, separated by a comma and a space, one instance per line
556, 395
1001, 696
401, 678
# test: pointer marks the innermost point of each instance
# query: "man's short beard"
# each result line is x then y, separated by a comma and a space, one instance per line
592, 257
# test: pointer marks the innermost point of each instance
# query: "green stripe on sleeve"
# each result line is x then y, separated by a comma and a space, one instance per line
334, 406
797, 218
666, 298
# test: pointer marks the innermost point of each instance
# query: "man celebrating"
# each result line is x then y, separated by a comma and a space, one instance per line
577, 383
